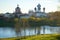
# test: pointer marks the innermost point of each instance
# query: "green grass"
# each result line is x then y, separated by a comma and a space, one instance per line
36, 37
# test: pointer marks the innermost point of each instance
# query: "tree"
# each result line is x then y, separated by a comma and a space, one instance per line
24, 24
17, 27
55, 16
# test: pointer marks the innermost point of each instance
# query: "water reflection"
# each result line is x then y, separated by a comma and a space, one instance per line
6, 32
10, 32
55, 30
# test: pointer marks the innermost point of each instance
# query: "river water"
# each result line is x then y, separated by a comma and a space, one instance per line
6, 32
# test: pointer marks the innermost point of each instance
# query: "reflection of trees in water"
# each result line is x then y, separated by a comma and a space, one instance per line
58, 30
55, 30
52, 29
35, 30
30, 29
25, 24
38, 30
17, 29
21, 24
43, 29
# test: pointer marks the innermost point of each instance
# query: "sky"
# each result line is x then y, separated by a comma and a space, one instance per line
26, 5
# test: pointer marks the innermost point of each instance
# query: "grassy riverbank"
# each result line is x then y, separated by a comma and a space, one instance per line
37, 37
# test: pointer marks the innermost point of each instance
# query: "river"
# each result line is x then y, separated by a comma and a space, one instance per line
6, 32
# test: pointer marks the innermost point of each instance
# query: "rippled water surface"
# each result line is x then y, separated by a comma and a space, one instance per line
6, 32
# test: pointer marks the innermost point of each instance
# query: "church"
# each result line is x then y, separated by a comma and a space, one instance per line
36, 13
17, 12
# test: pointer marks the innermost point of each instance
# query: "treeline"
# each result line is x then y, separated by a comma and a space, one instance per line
42, 21
6, 22
52, 20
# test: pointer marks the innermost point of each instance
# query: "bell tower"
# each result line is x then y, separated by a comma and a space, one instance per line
17, 10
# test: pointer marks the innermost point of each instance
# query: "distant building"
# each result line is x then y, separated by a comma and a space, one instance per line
8, 15
17, 11
24, 16
18, 14
1, 16
31, 13
38, 12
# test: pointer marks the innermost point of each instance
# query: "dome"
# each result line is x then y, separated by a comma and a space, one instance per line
38, 5
17, 7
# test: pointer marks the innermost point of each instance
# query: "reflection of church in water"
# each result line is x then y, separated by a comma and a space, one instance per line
37, 12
